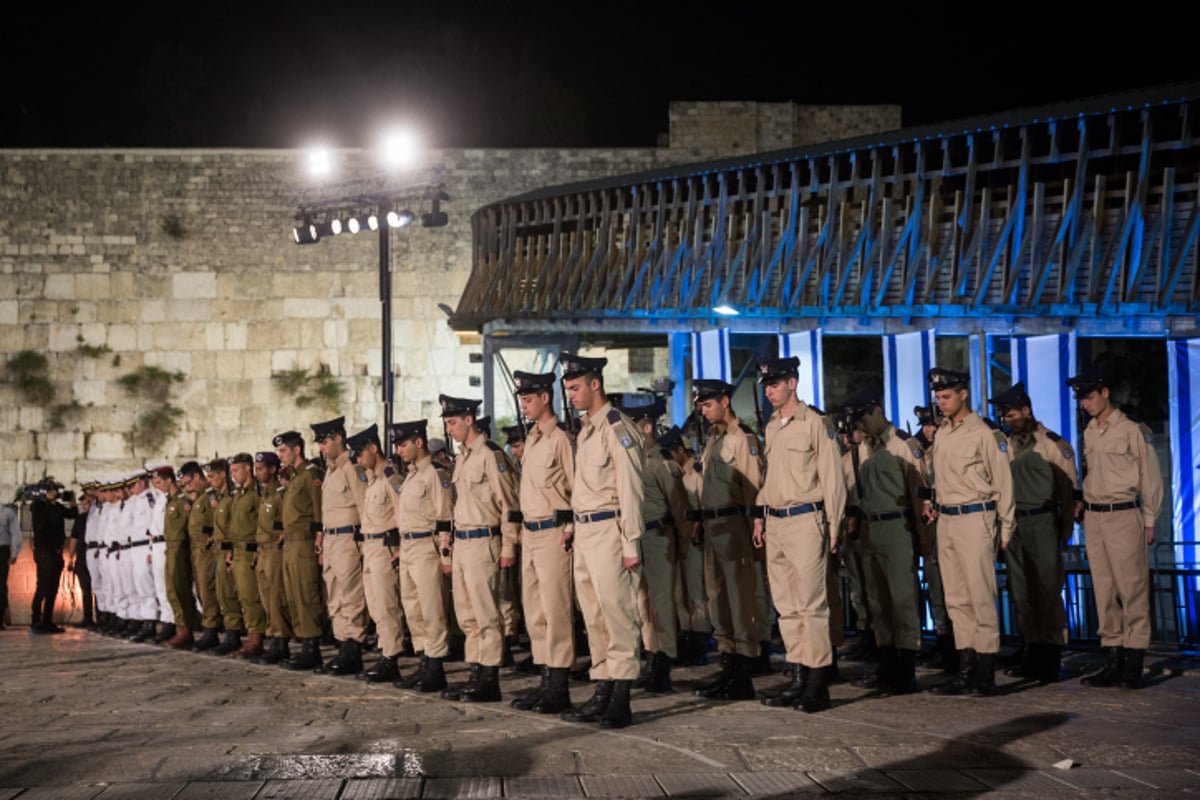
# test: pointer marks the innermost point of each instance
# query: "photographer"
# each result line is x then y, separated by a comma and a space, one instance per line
49, 538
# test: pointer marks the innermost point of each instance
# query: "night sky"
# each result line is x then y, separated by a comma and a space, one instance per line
511, 74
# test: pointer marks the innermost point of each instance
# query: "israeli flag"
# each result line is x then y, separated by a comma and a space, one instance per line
1044, 363
907, 359
810, 387
710, 355
1183, 381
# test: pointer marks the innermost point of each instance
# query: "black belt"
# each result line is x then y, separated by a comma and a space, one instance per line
374, 536
969, 508
276, 526
727, 511
119, 546
887, 515
416, 535
249, 547
655, 524
206, 529
477, 533
792, 511
157, 539
95, 546
138, 543
1029, 512
343, 529
224, 545
542, 525
1105, 507
597, 516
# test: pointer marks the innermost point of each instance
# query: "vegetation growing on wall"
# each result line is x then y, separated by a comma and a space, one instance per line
160, 420
28, 372
305, 388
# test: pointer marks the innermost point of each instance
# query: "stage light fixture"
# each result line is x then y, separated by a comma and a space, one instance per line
305, 233
324, 229
399, 219
336, 226
352, 224
373, 221
320, 162
398, 149
436, 218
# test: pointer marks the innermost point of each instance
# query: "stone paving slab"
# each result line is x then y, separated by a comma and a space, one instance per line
935, 780
1022, 780
219, 790
779, 784
381, 789
863, 780
1162, 779
543, 786
699, 784
62, 792
140, 791
320, 789
1090, 778
462, 787
620, 786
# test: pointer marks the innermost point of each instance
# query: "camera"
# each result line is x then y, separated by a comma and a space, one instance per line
33, 491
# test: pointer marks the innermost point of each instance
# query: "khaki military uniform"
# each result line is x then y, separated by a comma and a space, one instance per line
607, 501
547, 591
664, 501
243, 528
381, 542
200, 534
178, 566
731, 467
804, 499
342, 494
424, 509
485, 491
691, 601
269, 566
970, 469
1122, 468
301, 517
889, 481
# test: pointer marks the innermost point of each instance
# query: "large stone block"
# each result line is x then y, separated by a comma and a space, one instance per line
235, 336
9, 312
63, 337
121, 337
92, 286
17, 445
59, 287
193, 285
335, 333
198, 310
90, 393
170, 360
305, 308
107, 446
63, 446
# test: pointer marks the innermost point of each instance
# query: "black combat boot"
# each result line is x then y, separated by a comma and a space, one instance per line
1050, 667
740, 685
270, 651
985, 675
881, 678
415, 676
761, 665
945, 656
528, 700
131, 629
618, 715
433, 677
816, 692
168, 632
145, 632
1132, 676
557, 696
230, 642
792, 692
697, 649
717, 685
659, 680
1113, 671
384, 670
506, 654
1028, 667
308, 658
644, 673
458, 690
348, 661
487, 690
207, 641
904, 675
595, 706
964, 680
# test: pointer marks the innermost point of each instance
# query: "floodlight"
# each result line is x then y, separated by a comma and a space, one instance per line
398, 149
352, 224
320, 162
335, 225
373, 221
399, 219
725, 310
305, 233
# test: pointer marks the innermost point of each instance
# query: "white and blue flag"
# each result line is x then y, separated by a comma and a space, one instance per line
907, 359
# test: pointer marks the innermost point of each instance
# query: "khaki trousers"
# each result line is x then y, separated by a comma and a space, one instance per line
1033, 562
342, 571
608, 600
477, 599
204, 571
381, 589
798, 566
967, 554
246, 582
656, 591
422, 594
691, 603
302, 585
1117, 556
891, 581
729, 581
179, 584
548, 596
268, 569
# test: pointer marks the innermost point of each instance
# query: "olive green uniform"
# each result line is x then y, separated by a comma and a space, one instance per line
269, 565
231, 607
664, 501
178, 567
691, 602
200, 534
243, 530
301, 517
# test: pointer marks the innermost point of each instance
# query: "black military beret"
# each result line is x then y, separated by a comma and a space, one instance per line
266, 457
242, 458
1090, 380
576, 366
514, 433
708, 388
484, 426
289, 438
639, 405
458, 406
189, 468
360, 440
862, 402
948, 379
1015, 397
403, 431
323, 430
671, 439
218, 464
533, 382
774, 369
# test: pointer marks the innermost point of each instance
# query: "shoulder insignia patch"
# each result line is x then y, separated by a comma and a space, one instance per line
830, 427
316, 481
753, 451
1001, 441
363, 477
281, 489
626, 442
1146, 432
150, 500
445, 483
187, 508
500, 465
917, 452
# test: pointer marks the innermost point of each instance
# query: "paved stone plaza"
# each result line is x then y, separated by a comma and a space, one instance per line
89, 717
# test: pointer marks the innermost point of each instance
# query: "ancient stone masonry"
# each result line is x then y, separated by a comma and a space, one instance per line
113, 260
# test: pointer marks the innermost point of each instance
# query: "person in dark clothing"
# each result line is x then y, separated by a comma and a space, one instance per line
49, 537
77, 549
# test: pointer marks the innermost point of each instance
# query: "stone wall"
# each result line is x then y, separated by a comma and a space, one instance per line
113, 260
732, 128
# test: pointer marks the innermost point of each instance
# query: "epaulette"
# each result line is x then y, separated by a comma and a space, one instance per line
1143, 427
614, 417
443, 476
312, 465
281, 488
904, 435
914, 445
746, 428
493, 446
830, 425
1064, 446
991, 423
1001, 440
564, 427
